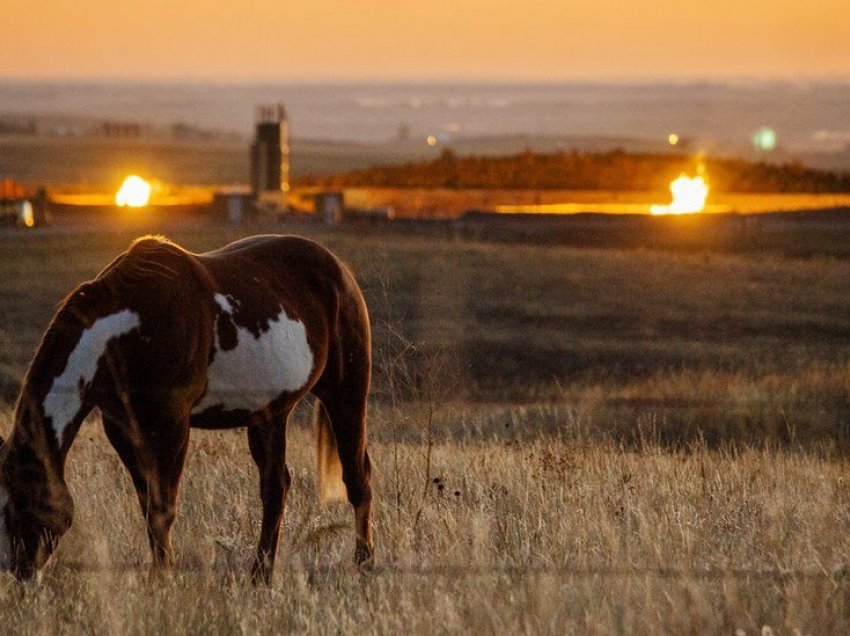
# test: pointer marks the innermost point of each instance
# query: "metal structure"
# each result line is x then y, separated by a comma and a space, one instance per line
270, 153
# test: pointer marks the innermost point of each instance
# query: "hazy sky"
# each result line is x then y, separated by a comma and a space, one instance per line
424, 39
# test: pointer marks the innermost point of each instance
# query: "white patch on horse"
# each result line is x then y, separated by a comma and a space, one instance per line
224, 302
63, 401
257, 370
5, 543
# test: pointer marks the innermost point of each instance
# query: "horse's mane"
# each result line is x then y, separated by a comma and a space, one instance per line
149, 258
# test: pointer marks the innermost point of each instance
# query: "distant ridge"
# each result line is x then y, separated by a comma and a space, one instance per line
611, 171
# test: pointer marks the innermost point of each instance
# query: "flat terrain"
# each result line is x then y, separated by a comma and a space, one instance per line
98, 166
98, 162
565, 440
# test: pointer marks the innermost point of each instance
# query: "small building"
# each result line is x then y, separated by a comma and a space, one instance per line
21, 207
234, 206
329, 207
121, 130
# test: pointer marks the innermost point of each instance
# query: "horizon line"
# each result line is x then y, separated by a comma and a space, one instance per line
645, 80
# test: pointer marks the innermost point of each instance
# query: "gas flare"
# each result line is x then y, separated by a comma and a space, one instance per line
689, 195
135, 192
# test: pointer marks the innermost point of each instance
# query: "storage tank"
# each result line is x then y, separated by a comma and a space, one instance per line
270, 152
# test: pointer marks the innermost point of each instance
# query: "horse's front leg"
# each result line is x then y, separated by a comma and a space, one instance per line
267, 442
154, 456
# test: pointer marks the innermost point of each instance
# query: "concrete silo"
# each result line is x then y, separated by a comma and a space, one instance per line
270, 154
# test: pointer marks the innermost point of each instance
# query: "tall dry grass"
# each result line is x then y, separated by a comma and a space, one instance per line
545, 536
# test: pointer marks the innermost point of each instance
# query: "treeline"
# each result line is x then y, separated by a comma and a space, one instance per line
616, 170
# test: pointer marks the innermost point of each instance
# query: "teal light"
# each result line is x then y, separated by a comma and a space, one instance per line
765, 139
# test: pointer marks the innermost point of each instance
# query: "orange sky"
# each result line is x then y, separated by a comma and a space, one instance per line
424, 39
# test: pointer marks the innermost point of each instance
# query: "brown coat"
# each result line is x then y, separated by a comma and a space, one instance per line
164, 340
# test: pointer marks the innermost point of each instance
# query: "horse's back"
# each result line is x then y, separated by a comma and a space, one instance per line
272, 248
281, 301
292, 271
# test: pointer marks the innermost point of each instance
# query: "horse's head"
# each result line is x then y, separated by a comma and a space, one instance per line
34, 514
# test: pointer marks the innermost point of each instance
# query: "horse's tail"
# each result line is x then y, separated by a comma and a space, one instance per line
330, 484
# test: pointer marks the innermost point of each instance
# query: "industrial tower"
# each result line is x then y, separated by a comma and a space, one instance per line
270, 154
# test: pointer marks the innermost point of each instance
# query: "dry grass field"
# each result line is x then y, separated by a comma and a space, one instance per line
564, 440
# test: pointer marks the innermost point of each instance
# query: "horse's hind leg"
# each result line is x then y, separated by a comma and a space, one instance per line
343, 390
346, 411
267, 441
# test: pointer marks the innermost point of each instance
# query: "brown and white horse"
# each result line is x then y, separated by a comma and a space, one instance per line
164, 340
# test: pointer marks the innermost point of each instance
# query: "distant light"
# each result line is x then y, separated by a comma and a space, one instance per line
431, 140
673, 139
765, 139
135, 192
27, 215
689, 195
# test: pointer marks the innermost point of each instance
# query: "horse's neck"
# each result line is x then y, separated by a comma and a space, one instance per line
68, 360
33, 467
47, 422
54, 398
63, 406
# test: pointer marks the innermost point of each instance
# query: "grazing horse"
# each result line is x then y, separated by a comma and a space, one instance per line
164, 340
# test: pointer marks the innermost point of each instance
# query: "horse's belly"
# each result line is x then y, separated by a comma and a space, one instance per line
251, 374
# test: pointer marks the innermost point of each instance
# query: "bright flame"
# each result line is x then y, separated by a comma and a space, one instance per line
673, 139
689, 195
135, 192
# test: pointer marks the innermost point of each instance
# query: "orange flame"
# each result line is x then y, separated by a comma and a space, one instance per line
689, 195
135, 192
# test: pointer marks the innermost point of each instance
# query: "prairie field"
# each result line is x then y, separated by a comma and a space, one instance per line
564, 440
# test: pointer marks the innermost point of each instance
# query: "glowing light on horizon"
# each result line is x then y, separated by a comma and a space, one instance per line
673, 139
431, 140
135, 192
765, 139
27, 215
689, 195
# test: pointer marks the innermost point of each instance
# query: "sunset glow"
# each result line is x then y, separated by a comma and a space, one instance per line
135, 192
404, 39
689, 195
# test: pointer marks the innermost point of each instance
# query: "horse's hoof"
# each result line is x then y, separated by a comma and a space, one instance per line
261, 579
260, 576
364, 557
159, 574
